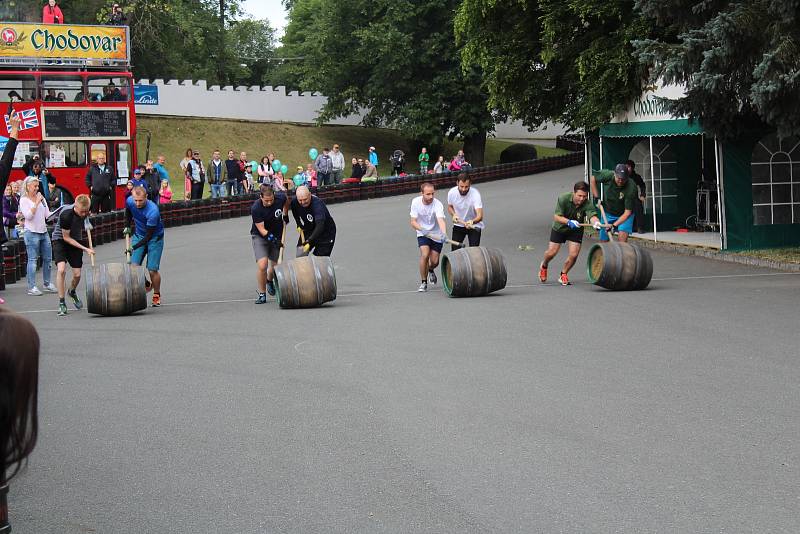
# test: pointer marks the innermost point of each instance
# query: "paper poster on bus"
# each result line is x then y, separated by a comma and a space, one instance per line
23, 149
58, 157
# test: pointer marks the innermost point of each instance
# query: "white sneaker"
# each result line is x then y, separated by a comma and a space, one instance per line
423, 287
34, 291
50, 287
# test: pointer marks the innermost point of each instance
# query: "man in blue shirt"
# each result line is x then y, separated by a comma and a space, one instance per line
318, 231
270, 214
148, 236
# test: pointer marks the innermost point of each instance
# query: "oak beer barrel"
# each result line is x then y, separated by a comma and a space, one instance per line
473, 272
114, 289
619, 266
305, 282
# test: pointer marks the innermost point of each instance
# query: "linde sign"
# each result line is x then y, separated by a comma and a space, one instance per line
62, 41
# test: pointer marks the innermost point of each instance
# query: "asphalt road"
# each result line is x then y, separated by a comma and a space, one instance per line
538, 409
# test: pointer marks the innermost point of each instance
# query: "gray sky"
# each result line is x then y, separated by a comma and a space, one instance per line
267, 9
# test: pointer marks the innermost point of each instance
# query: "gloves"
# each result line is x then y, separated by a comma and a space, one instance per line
306, 246
597, 225
129, 251
285, 218
573, 224
126, 231
469, 225
456, 220
614, 230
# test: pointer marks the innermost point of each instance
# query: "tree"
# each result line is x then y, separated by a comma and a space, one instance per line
395, 61
251, 43
569, 62
739, 61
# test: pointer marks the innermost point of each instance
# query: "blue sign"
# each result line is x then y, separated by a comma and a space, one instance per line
145, 95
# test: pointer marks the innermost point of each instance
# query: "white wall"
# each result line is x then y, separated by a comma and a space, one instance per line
271, 104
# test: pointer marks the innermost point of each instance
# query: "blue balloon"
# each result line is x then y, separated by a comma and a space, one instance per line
276, 165
312, 153
254, 166
284, 169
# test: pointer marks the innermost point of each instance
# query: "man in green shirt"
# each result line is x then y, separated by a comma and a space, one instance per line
571, 210
619, 199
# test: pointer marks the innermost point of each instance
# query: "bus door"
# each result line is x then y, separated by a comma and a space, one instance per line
123, 164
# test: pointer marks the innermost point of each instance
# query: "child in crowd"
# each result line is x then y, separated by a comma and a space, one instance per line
165, 193
424, 158
311, 175
440, 166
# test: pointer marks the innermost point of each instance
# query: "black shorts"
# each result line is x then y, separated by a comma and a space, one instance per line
65, 252
323, 249
576, 236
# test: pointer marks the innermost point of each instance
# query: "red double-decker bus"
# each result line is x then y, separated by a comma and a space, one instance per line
75, 101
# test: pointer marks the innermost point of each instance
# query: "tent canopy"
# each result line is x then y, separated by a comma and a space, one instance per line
651, 128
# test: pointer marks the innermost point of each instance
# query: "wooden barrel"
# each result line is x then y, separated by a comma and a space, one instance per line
619, 266
305, 282
473, 272
114, 289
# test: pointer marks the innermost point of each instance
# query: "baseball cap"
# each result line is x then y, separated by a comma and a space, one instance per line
621, 170
372, 148
137, 171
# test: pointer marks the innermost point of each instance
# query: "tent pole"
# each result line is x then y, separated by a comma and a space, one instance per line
602, 190
720, 199
653, 190
586, 157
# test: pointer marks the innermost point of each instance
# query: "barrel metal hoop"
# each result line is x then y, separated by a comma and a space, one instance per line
295, 288
317, 276
104, 290
489, 272
128, 287
468, 263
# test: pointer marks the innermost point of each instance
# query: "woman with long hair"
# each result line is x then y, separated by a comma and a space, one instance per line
187, 183
33, 207
19, 384
265, 171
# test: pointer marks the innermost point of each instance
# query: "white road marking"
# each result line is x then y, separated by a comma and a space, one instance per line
411, 291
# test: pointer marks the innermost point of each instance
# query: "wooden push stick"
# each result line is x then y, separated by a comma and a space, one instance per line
128, 247
89, 235
448, 241
283, 244
605, 219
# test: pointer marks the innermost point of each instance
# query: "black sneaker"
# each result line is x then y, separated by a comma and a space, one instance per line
75, 300
432, 277
62, 309
262, 298
271, 289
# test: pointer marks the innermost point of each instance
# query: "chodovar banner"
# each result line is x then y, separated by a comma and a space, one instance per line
63, 41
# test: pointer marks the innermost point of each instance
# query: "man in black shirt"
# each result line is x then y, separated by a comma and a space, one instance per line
638, 210
317, 228
234, 175
100, 181
69, 244
270, 214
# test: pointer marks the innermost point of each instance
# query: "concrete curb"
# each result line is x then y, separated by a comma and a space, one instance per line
714, 254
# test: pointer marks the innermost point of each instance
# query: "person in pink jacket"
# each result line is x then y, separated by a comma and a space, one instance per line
51, 13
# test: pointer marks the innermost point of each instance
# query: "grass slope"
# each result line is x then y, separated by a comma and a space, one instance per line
171, 136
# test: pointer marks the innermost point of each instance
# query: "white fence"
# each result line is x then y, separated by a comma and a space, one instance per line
271, 104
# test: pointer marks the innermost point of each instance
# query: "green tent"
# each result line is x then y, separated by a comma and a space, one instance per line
687, 171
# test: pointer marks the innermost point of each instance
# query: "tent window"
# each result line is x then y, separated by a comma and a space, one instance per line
775, 172
665, 189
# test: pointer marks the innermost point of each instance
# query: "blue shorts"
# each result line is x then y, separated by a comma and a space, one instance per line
152, 249
626, 227
423, 241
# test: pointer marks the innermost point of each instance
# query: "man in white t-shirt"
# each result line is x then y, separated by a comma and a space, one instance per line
427, 218
466, 208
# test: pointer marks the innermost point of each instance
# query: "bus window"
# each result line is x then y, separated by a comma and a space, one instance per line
65, 154
24, 154
19, 88
123, 162
98, 148
61, 88
110, 89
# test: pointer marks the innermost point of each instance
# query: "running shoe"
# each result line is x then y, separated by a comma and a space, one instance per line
156, 300
75, 300
271, 289
564, 280
423, 287
262, 298
432, 277
542, 273
50, 287
34, 291
62, 309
